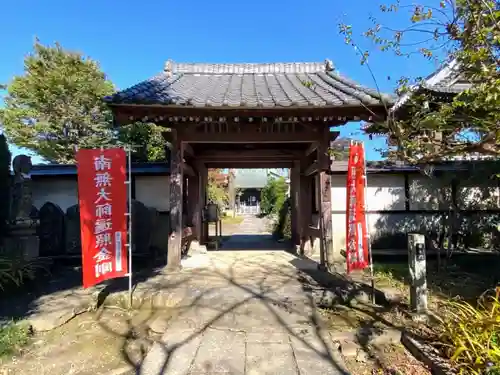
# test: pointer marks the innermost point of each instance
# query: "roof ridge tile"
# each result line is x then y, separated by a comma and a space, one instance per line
247, 68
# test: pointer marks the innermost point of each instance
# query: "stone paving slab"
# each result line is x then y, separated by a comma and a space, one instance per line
259, 352
221, 352
267, 337
316, 354
244, 312
270, 359
175, 355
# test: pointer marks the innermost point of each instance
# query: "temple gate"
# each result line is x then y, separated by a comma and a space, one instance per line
249, 116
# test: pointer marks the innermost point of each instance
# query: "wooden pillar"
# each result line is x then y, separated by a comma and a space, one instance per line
203, 173
295, 195
325, 220
305, 210
176, 188
194, 204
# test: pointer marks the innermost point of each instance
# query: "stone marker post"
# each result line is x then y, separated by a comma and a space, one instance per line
418, 273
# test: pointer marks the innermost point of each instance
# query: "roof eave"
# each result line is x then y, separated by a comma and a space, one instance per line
431, 84
232, 108
128, 113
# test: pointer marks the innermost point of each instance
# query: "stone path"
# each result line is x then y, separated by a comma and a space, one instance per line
253, 225
252, 234
245, 312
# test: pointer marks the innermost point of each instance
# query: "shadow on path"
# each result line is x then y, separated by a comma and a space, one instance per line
253, 242
247, 313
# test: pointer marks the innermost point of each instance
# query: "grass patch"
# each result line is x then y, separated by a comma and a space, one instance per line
470, 334
467, 331
232, 220
456, 280
13, 336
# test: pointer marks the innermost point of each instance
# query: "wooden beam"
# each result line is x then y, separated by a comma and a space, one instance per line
247, 154
168, 136
176, 189
188, 149
311, 148
188, 170
194, 204
332, 136
185, 115
202, 230
312, 169
249, 164
251, 137
263, 160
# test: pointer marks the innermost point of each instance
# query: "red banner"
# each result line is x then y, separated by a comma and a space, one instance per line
102, 196
357, 251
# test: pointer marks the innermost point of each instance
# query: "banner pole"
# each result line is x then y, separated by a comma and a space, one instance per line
129, 157
367, 223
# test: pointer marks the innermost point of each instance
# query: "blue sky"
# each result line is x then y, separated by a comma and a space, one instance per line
133, 39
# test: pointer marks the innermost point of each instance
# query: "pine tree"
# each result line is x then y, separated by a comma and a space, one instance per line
56, 105
4, 184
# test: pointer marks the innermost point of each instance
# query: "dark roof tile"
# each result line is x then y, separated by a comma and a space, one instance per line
249, 85
447, 80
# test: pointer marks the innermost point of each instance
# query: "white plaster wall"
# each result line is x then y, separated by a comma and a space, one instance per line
428, 193
384, 193
338, 183
62, 192
153, 191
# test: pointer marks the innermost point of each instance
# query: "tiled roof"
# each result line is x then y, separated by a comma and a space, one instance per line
447, 80
249, 85
255, 178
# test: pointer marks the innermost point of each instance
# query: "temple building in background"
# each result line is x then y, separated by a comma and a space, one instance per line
249, 183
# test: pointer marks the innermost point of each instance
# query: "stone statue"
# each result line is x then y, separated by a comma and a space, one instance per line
22, 201
22, 239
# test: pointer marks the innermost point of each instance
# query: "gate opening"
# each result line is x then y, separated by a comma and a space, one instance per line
252, 210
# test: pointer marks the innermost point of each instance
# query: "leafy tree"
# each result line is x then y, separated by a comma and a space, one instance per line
339, 150
146, 139
217, 192
56, 105
273, 195
465, 34
5, 160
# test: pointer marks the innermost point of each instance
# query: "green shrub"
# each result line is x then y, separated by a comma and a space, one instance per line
283, 227
13, 336
470, 335
273, 195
